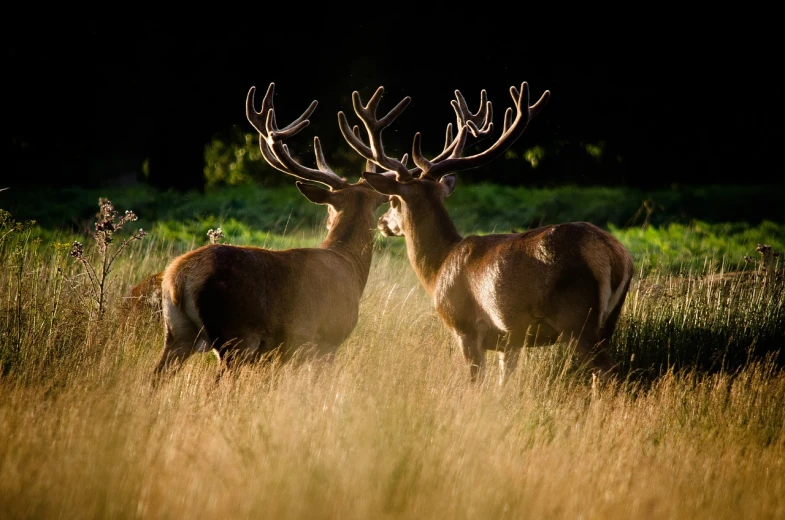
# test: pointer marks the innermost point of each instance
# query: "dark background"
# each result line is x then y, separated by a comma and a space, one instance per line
89, 101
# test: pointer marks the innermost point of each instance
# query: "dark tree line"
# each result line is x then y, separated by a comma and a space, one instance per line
88, 101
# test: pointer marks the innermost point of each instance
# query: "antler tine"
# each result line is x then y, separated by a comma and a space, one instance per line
321, 164
448, 136
507, 119
323, 174
535, 108
478, 124
484, 114
513, 129
259, 120
254, 117
276, 153
264, 121
370, 166
374, 127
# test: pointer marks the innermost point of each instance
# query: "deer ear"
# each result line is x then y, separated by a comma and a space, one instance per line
382, 183
448, 182
314, 193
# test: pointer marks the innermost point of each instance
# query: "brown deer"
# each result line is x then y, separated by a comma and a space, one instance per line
244, 302
502, 291
145, 294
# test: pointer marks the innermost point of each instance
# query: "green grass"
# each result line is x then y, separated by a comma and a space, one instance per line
699, 247
683, 230
474, 207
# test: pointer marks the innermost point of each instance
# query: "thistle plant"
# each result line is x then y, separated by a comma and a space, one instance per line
216, 236
108, 222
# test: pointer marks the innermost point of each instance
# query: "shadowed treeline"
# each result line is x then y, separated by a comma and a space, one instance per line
107, 100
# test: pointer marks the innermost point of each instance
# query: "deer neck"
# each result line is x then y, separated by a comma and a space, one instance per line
352, 240
430, 237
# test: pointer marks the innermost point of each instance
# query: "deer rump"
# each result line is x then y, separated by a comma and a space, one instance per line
258, 300
527, 288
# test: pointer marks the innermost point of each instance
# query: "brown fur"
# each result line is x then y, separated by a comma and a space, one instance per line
245, 302
145, 295
495, 292
505, 291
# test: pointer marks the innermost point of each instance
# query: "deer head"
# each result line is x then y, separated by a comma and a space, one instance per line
277, 155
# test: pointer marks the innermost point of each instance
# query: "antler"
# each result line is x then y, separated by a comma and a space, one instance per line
479, 125
276, 153
513, 129
467, 123
374, 126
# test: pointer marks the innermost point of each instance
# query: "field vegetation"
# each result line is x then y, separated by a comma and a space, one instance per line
695, 427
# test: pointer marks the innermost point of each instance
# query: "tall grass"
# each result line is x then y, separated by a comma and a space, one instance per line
392, 429
709, 323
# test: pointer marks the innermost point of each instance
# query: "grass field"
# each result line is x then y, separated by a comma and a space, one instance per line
393, 429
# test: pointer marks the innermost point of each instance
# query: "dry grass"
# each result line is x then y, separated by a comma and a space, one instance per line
392, 429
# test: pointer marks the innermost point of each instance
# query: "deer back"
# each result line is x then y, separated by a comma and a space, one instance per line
235, 291
502, 277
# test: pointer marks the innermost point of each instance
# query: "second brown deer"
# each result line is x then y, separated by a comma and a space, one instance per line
244, 302
496, 292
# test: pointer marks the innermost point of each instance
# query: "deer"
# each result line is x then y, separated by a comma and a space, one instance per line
496, 292
146, 294
245, 302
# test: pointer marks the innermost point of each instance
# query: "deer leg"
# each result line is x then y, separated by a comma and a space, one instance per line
508, 361
592, 350
222, 368
509, 350
176, 351
583, 328
595, 355
610, 322
324, 353
241, 352
301, 347
470, 345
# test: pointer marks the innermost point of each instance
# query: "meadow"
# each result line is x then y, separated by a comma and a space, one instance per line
695, 428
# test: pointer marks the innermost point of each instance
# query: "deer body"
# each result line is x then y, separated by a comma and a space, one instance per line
503, 291
251, 301
235, 305
243, 301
